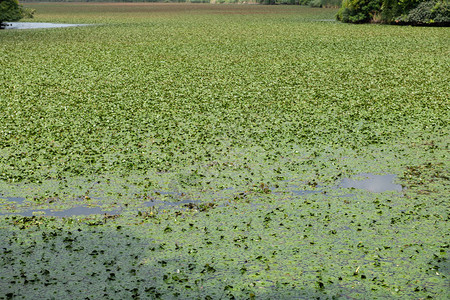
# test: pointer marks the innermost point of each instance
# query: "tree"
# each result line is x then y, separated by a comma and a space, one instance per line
10, 11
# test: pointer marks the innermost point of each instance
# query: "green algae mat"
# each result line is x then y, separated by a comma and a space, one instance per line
189, 151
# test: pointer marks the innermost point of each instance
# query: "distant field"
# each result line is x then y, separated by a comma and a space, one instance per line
239, 151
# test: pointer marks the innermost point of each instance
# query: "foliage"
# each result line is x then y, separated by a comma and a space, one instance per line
10, 10
436, 12
312, 3
221, 135
400, 11
28, 13
358, 11
392, 9
325, 3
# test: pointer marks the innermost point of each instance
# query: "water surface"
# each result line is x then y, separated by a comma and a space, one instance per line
372, 183
26, 25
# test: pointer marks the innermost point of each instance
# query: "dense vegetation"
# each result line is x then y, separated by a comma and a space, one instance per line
218, 139
415, 12
10, 10
428, 13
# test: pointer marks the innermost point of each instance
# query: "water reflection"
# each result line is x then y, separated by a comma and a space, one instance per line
372, 183
17, 200
26, 25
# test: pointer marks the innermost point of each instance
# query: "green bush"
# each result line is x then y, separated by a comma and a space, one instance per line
415, 12
10, 11
392, 9
429, 13
28, 13
358, 11
324, 3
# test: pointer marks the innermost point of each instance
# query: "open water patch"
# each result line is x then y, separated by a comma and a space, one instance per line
17, 200
71, 212
325, 20
305, 192
372, 183
27, 25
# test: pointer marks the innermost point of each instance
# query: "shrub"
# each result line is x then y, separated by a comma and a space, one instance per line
10, 10
358, 11
28, 13
325, 3
392, 9
415, 12
429, 13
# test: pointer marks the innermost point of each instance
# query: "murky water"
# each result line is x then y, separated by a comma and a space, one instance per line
372, 183
26, 25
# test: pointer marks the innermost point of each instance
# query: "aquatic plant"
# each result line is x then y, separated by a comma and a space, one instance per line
207, 151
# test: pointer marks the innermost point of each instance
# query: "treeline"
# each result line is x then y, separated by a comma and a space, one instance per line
313, 3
